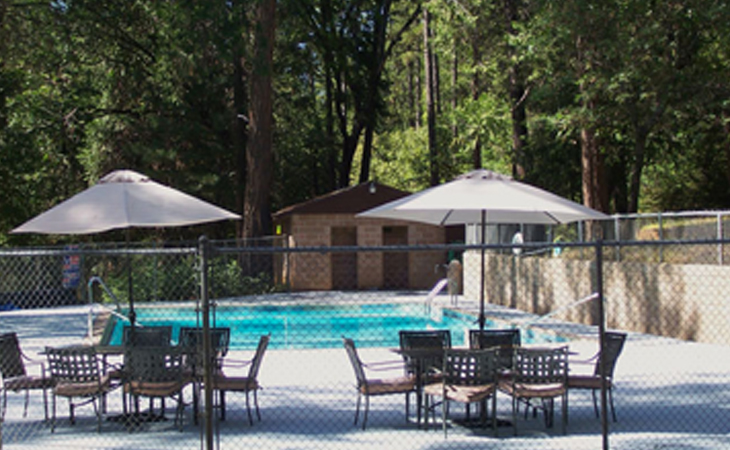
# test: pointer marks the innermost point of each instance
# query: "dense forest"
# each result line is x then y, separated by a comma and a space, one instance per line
623, 105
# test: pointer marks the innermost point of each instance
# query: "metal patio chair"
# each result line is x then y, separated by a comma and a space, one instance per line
422, 352
191, 339
156, 373
154, 336
369, 387
469, 376
15, 377
76, 375
249, 384
539, 374
613, 345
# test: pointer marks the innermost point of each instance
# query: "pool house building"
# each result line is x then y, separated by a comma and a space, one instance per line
329, 221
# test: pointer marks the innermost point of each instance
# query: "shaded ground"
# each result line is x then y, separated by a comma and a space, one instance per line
670, 395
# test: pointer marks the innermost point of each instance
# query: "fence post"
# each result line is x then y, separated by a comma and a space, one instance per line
617, 237
661, 237
601, 340
203, 249
720, 257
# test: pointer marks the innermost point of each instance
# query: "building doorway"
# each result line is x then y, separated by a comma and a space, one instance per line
395, 264
344, 265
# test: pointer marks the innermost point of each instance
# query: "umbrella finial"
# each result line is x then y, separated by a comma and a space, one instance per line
123, 176
483, 174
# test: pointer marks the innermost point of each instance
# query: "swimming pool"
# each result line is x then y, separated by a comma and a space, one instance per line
318, 326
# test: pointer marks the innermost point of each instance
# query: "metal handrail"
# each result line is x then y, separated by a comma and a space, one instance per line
90, 296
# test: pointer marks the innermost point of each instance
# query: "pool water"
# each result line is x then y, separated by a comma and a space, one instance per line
317, 326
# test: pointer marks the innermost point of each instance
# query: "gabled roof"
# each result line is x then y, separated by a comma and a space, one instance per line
349, 200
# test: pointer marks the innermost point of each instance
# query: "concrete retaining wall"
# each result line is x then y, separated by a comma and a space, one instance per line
688, 301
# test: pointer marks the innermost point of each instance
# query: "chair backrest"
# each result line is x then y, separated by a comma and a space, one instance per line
355, 361
412, 339
73, 364
253, 371
220, 338
154, 364
11, 357
426, 340
505, 340
470, 367
157, 336
613, 344
541, 365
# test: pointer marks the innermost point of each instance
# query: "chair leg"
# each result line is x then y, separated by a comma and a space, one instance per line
365, 414
494, 413
444, 414
180, 410
53, 419
256, 404
248, 409
27, 399
564, 417
595, 403
610, 398
5, 406
357, 409
408, 400
426, 407
222, 395
97, 411
514, 415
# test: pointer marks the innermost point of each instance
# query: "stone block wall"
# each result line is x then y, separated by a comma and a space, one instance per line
684, 301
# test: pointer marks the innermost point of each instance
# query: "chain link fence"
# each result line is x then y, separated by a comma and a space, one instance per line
670, 386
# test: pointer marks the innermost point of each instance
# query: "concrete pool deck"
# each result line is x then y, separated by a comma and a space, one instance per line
670, 394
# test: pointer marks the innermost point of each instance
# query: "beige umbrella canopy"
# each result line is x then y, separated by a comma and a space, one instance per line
124, 199
484, 197
499, 198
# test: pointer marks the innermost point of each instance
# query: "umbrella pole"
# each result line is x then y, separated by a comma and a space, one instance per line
132, 314
481, 274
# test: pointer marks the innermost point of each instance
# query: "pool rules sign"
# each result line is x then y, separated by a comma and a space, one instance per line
71, 268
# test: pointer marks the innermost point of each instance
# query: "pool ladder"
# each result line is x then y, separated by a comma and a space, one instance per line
90, 295
440, 285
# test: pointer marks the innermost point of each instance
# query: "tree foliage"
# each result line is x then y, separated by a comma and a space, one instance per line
621, 104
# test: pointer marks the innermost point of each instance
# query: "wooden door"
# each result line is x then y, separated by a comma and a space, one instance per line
344, 265
395, 264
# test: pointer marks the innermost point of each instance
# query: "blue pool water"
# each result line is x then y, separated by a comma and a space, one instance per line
317, 326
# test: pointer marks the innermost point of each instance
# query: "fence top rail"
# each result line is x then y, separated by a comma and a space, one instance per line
665, 214
90, 251
527, 246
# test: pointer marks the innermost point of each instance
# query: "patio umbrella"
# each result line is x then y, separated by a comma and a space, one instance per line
484, 197
124, 199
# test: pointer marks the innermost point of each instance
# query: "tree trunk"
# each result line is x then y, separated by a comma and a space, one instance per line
259, 157
636, 169
595, 193
239, 125
331, 150
476, 89
3, 58
517, 94
367, 152
454, 87
430, 100
412, 95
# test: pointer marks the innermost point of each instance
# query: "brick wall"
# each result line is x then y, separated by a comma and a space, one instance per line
313, 271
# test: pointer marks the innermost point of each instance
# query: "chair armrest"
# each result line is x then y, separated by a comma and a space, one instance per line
35, 363
226, 362
384, 365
